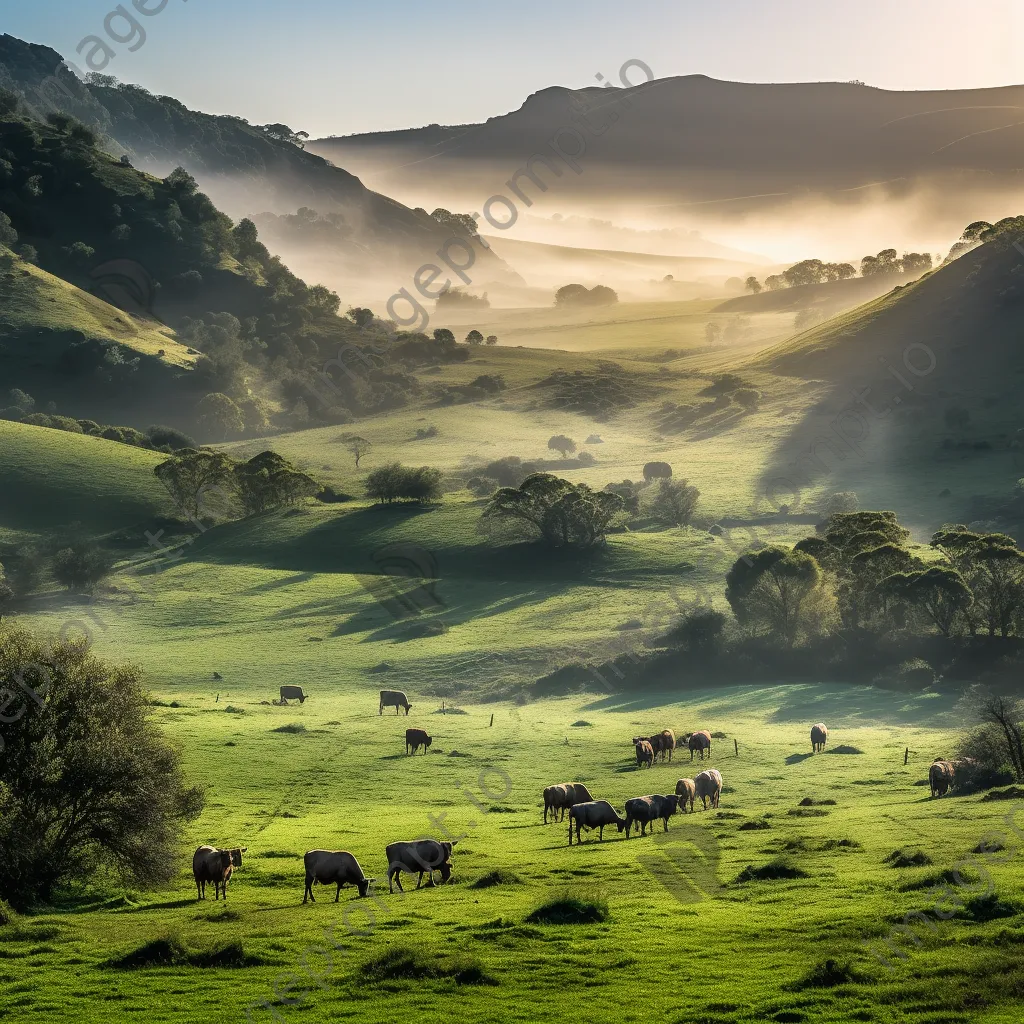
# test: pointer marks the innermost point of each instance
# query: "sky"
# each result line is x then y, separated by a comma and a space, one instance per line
336, 67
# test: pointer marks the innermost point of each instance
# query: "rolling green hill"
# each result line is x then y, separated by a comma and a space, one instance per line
50, 479
923, 391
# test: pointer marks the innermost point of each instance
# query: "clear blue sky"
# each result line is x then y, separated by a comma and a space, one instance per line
336, 66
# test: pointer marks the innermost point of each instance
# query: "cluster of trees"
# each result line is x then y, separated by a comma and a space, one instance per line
207, 484
858, 574
88, 783
156, 438
74, 562
809, 272
395, 482
581, 295
461, 299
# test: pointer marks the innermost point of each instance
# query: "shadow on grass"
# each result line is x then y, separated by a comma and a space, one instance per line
797, 758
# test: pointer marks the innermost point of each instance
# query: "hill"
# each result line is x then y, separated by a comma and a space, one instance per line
694, 139
923, 390
50, 479
245, 168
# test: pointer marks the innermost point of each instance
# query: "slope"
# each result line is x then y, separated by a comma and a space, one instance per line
50, 479
923, 389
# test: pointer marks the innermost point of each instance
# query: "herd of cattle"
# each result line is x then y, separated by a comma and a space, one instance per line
425, 856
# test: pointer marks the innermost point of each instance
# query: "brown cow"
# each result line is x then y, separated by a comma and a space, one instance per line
686, 791
558, 799
644, 752
646, 810
708, 786
595, 814
416, 738
699, 741
393, 699
819, 736
422, 855
333, 867
941, 777
212, 865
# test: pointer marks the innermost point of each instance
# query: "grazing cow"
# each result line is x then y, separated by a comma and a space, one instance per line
646, 810
395, 699
417, 738
594, 814
941, 777
212, 865
708, 786
686, 791
699, 741
333, 867
819, 736
423, 855
657, 471
558, 799
644, 752
292, 693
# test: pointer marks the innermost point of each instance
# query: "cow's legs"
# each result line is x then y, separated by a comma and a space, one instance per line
600, 834
337, 895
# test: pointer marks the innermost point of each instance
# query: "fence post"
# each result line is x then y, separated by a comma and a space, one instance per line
906, 757
736, 744
443, 712
492, 720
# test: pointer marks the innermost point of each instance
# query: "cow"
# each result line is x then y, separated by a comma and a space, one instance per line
663, 741
423, 855
395, 699
819, 735
558, 799
417, 738
292, 693
594, 814
333, 867
657, 471
686, 791
646, 810
212, 865
699, 741
941, 777
644, 752
708, 786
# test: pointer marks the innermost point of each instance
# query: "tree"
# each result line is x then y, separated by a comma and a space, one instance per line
323, 301
444, 337
8, 236
474, 338
282, 133
395, 482
361, 316
938, 591
916, 263
492, 339
268, 481
563, 444
807, 272
87, 781
699, 632
194, 477
1004, 716
753, 285
775, 283
182, 185
219, 414
839, 271
561, 514
674, 502
781, 591
80, 566
886, 262
357, 445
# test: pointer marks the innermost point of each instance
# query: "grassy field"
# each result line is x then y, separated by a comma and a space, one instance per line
684, 937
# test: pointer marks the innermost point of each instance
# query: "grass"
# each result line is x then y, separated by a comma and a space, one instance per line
570, 909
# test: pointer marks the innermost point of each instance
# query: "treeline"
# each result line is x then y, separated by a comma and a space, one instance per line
807, 272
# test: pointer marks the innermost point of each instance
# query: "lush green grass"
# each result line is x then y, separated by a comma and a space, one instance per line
676, 908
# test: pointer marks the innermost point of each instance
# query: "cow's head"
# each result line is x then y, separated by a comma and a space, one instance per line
637, 740
363, 884
428, 741
236, 855
671, 803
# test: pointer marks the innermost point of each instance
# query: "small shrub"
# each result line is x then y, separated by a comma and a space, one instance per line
774, 871
500, 876
908, 859
806, 812
581, 724
754, 826
989, 907
163, 952
406, 963
829, 973
989, 846
845, 749
570, 909
809, 801
293, 727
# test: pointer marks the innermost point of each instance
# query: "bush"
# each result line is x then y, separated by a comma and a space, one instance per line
580, 295
65, 813
424, 432
673, 502
571, 909
407, 963
776, 870
80, 566
396, 482
482, 486
829, 974
500, 876
700, 632
174, 439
